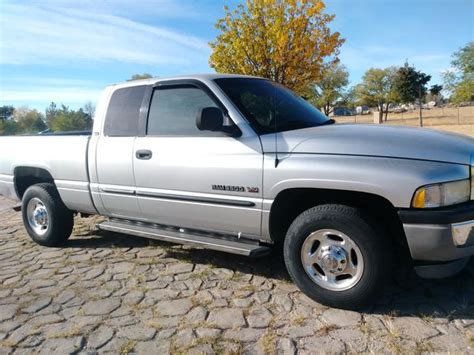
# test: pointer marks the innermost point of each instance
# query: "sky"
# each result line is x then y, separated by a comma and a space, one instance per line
67, 51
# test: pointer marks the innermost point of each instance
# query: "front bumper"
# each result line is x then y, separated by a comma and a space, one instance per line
444, 236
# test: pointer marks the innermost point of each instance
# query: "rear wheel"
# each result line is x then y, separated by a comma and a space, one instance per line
337, 256
47, 220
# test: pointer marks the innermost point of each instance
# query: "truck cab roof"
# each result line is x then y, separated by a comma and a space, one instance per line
201, 77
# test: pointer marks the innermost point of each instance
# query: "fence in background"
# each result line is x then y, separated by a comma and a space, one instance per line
434, 117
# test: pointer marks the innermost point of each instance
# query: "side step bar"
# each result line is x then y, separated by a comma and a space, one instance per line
234, 245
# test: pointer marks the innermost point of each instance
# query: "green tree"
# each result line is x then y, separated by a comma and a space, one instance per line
434, 93
9, 127
377, 90
39, 125
329, 91
140, 76
6, 112
68, 120
287, 41
89, 110
30, 121
410, 84
349, 99
435, 90
461, 81
51, 113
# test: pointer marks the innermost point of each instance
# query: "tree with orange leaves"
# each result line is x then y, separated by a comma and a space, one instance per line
287, 41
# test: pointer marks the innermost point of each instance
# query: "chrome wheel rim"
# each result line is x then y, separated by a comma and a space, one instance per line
38, 217
332, 260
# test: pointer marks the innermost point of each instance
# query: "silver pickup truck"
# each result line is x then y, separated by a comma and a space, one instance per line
241, 164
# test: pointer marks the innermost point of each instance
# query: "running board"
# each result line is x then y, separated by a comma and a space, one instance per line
180, 236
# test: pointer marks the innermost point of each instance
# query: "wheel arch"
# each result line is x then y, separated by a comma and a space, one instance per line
26, 176
290, 203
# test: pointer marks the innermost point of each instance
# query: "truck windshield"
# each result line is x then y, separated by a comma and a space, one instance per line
269, 106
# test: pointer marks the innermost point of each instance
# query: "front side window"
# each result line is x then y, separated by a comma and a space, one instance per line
173, 111
270, 106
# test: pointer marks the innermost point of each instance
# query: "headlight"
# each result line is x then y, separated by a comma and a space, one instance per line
440, 195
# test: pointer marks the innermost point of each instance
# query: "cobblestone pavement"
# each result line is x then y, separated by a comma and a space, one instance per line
109, 293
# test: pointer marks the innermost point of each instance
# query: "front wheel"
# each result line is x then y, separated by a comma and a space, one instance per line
47, 220
336, 256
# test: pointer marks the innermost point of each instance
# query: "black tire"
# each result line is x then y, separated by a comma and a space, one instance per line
60, 218
373, 246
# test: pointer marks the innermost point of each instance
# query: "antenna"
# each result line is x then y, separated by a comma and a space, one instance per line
276, 140
273, 112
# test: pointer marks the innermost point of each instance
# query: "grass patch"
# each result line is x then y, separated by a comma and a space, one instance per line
326, 329
297, 320
197, 301
424, 347
470, 340
390, 315
428, 318
269, 342
365, 328
201, 275
127, 347
72, 332
248, 288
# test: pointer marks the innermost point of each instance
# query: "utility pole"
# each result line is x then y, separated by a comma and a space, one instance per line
419, 100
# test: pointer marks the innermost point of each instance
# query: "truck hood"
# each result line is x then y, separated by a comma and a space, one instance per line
374, 140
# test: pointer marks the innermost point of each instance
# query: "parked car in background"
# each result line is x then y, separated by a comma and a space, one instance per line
362, 110
343, 111
239, 164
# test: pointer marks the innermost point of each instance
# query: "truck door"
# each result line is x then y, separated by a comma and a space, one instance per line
115, 151
196, 179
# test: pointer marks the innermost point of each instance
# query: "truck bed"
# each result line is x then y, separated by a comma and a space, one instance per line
62, 156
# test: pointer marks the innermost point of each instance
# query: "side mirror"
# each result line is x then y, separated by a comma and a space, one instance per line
210, 119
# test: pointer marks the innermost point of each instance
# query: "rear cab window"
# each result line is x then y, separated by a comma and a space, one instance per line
123, 112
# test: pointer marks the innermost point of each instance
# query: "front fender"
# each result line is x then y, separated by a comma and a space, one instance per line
394, 179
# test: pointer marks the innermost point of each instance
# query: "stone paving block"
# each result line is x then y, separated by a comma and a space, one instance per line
7, 311
450, 343
413, 328
179, 268
99, 337
208, 332
94, 273
297, 332
226, 318
184, 338
244, 334
136, 332
65, 296
153, 347
174, 307
322, 344
355, 340
47, 319
259, 318
196, 315
285, 346
37, 305
134, 297
341, 318
101, 307
20, 334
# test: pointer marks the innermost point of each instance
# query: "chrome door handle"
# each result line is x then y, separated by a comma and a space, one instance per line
143, 154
